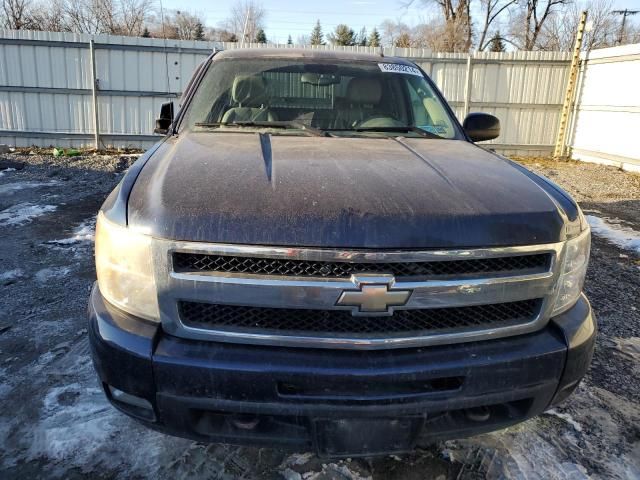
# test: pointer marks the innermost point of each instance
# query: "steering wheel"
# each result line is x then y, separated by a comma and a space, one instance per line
379, 121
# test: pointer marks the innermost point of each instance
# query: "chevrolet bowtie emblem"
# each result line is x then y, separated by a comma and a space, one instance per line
375, 295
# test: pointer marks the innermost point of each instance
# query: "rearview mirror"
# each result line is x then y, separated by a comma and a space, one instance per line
319, 79
166, 119
481, 126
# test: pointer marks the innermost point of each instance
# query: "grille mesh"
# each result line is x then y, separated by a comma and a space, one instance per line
259, 320
194, 262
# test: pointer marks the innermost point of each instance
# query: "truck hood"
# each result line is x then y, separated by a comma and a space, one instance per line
247, 188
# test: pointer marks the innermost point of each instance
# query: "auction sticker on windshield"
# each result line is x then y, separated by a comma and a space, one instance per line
397, 68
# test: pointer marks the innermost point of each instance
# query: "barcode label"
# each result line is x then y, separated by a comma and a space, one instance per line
398, 68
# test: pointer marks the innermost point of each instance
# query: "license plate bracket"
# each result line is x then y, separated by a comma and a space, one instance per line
359, 437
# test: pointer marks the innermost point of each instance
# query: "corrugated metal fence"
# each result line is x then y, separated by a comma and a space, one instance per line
46, 84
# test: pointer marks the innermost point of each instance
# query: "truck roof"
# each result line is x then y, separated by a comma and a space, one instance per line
308, 53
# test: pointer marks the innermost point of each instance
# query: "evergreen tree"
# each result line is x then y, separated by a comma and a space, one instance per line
198, 31
343, 35
374, 38
496, 44
146, 33
289, 41
317, 38
233, 38
261, 37
362, 38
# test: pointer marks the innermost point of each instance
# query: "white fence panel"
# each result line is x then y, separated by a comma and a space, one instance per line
45, 87
607, 120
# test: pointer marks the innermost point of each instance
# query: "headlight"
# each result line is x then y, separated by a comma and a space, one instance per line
125, 269
574, 269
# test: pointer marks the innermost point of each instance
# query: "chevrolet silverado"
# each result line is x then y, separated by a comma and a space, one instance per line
318, 256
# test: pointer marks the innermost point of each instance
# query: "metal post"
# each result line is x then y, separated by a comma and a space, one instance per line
94, 95
467, 90
559, 150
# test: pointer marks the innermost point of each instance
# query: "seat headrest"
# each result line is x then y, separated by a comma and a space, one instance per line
249, 90
364, 90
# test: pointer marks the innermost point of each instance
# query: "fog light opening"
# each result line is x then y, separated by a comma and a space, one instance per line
478, 414
245, 422
136, 406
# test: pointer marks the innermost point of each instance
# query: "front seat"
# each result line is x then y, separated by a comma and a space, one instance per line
249, 93
361, 102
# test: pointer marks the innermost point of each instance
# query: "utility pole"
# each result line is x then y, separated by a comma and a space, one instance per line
559, 150
625, 13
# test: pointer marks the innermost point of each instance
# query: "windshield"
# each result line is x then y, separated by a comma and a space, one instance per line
338, 97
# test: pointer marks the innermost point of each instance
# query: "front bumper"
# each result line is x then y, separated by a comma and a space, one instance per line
338, 403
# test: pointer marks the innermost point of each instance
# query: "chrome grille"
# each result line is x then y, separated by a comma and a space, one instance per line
332, 298
195, 262
340, 322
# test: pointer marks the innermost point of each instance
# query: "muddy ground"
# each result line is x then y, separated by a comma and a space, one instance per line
55, 422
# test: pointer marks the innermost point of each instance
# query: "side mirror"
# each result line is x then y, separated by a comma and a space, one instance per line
166, 119
481, 126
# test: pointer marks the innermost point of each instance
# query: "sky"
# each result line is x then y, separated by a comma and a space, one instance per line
296, 18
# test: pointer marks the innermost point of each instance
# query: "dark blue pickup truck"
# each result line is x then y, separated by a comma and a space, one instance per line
317, 256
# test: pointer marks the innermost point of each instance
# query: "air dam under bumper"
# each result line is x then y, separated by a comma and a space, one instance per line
336, 402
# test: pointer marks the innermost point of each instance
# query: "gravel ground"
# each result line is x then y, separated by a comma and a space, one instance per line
56, 423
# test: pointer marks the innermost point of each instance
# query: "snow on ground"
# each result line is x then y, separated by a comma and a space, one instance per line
549, 448
566, 417
17, 186
47, 274
79, 242
629, 349
614, 231
23, 213
84, 232
11, 275
74, 418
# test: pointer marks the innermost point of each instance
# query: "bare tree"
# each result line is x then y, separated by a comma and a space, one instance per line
559, 31
247, 17
104, 12
527, 26
80, 17
90, 16
116, 17
491, 11
185, 25
49, 17
392, 30
457, 20
404, 40
431, 35
133, 16
632, 33
220, 35
16, 14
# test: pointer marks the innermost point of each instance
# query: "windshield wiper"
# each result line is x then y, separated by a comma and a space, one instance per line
407, 128
285, 125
